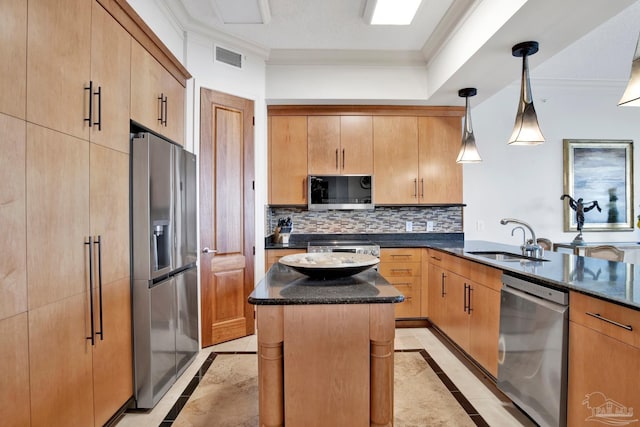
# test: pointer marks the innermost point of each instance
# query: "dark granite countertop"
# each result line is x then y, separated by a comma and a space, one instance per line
609, 280
385, 240
284, 286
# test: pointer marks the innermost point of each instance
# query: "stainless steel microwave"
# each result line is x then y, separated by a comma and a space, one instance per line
340, 192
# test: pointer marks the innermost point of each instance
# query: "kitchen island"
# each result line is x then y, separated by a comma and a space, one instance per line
325, 349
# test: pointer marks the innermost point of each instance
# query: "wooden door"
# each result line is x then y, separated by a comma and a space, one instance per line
436, 289
288, 160
59, 64
440, 175
356, 139
456, 319
111, 73
603, 377
323, 144
13, 57
484, 326
395, 148
14, 383
226, 216
57, 215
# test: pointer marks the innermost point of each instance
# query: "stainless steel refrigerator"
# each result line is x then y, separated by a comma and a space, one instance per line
164, 264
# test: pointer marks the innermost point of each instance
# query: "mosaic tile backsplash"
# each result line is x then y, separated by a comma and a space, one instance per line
380, 220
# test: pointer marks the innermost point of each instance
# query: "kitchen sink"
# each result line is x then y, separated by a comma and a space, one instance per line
504, 256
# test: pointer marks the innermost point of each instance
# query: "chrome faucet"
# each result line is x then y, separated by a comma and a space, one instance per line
524, 233
529, 247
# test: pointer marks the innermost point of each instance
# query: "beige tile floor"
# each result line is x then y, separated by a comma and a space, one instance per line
494, 408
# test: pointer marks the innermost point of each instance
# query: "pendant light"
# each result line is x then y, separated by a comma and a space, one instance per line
631, 96
526, 130
468, 149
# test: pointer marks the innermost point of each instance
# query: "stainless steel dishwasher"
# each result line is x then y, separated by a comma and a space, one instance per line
532, 359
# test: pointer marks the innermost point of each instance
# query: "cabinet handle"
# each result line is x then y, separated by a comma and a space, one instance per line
90, 89
415, 188
99, 122
464, 297
98, 241
436, 258
443, 293
469, 309
401, 255
400, 270
343, 158
336, 159
402, 284
422, 188
613, 322
161, 108
93, 329
165, 103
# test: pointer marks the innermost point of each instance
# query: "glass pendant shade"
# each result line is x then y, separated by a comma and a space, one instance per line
631, 95
526, 130
468, 150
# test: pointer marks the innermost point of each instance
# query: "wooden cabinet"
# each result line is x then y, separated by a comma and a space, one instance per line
13, 57
403, 269
273, 255
439, 174
288, 160
464, 302
340, 145
59, 64
604, 361
395, 147
15, 407
157, 98
111, 77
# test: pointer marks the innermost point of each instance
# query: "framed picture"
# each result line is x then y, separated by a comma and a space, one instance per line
599, 171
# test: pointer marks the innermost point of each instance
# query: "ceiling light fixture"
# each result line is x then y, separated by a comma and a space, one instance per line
526, 130
631, 95
468, 150
390, 12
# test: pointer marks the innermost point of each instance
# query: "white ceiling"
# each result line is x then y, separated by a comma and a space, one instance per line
460, 43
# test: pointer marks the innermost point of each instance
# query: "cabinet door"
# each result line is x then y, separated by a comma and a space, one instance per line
273, 255
603, 378
111, 73
484, 326
13, 57
175, 111
437, 290
13, 246
288, 160
14, 381
395, 148
58, 64
146, 77
440, 175
57, 215
323, 139
356, 139
112, 355
456, 319
60, 360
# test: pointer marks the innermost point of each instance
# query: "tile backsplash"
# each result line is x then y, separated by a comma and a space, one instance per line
388, 219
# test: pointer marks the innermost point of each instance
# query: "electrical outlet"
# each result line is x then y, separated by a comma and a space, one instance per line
408, 226
479, 225
429, 225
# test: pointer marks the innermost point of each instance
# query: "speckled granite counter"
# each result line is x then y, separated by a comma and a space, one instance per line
609, 280
284, 286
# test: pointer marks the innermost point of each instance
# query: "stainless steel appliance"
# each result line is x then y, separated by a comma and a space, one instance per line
340, 192
354, 246
164, 256
532, 360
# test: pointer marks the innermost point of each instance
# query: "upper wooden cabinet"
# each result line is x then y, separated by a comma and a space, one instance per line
288, 160
111, 81
13, 57
440, 176
340, 145
59, 65
157, 98
395, 147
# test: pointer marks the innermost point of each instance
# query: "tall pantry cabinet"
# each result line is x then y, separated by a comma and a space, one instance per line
65, 308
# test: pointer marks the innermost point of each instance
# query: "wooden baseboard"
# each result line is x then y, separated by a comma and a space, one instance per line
413, 323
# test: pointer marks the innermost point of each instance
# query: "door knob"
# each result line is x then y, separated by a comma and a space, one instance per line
209, 251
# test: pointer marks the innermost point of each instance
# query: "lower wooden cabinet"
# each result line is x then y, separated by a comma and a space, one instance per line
604, 363
14, 382
272, 256
464, 302
402, 268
